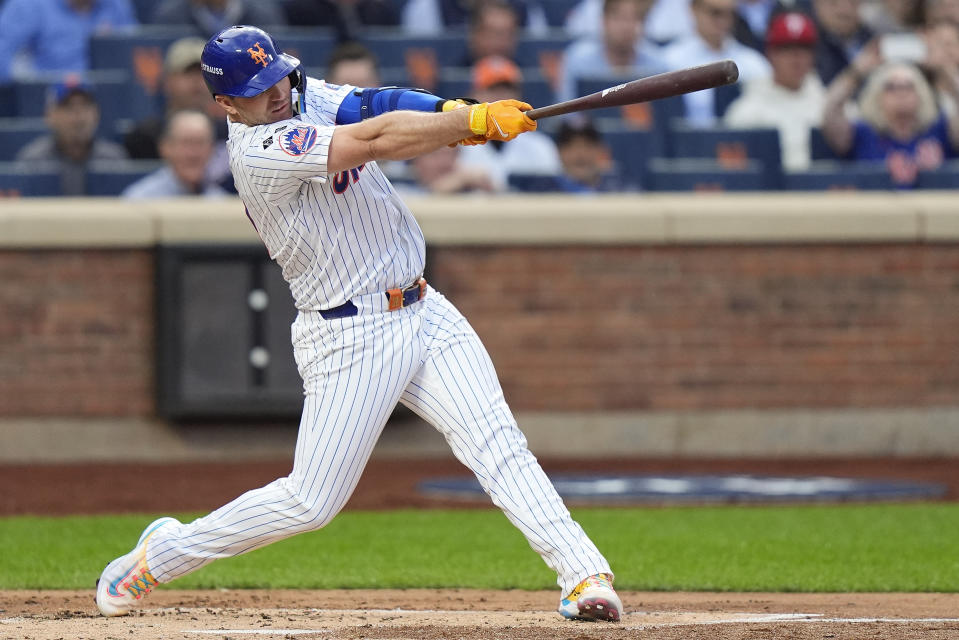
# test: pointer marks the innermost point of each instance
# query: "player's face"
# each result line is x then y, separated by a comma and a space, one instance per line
271, 106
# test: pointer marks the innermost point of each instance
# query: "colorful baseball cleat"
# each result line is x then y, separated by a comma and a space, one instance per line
128, 578
593, 599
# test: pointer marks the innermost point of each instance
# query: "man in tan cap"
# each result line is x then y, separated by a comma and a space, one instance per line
183, 88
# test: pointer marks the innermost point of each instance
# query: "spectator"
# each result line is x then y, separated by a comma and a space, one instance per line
621, 49
183, 88
347, 17
900, 124
942, 42
352, 63
496, 78
586, 159
186, 146
440, 172
53, 36
792, 99
894, 16
72, 115
668, 20
207, 17
753, 19
713, 41
842, 35
433, 17
942, 11
493, 31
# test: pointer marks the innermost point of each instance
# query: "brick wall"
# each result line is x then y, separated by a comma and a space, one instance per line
712, 327
569, 328
76, 333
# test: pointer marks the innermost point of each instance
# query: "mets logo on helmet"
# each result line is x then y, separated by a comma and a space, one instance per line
298, 140
258, 54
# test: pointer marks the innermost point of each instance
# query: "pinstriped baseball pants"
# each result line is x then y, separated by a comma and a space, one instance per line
355, 370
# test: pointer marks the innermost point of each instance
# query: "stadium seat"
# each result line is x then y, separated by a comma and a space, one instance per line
16, 133
141, 53
111, 178
532, 183
8, 100
731, 148
632, 149
945, 177
117, 95
825, 175
695, 174
557, 10
819, 149
724, 96
656, 115
15, 181
530, 47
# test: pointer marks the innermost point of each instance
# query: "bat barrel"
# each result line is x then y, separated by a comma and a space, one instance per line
664, 85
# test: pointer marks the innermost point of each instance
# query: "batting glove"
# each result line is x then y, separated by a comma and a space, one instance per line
500, 120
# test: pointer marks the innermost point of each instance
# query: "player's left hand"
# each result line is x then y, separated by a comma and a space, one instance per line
501, 120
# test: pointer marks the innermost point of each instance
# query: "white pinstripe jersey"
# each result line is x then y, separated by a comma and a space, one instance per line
335, 236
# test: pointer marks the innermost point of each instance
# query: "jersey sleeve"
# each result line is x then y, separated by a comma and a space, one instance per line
280, 157
323, 99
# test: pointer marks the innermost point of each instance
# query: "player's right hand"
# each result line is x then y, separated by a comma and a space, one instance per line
500, 120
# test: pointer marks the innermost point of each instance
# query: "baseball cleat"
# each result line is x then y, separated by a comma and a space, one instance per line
128, 578
593, 599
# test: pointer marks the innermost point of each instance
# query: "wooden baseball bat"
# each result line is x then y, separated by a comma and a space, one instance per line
664, 85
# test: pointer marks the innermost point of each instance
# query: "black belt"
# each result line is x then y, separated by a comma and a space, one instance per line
396, 299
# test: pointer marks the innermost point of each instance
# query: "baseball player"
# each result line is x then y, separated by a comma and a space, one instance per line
370, 332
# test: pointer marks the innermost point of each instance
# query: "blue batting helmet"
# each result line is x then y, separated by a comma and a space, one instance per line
244, 61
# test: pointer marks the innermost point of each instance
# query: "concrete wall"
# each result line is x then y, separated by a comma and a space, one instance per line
675, 325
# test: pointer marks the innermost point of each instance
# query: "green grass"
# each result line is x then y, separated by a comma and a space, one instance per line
809, 548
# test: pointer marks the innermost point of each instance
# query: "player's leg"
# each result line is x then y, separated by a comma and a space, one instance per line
458, 392
353, 378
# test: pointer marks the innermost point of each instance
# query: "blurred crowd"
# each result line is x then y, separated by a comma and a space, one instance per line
829, 90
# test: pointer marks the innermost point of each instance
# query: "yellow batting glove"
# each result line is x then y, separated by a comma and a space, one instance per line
500, 120
462, 103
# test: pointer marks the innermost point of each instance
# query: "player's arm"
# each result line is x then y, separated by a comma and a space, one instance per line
364, 103
401, 135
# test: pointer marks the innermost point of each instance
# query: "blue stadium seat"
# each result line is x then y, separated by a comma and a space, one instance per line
694, 174
391, 46
8, 99
731, 148
16, 133
530, 47
111, 178
16, 181
557, 10
663, 112
819, 149
825, 175
945, 177
117, 94
532, 183
457, 82
148, 45
632, 149
724, 96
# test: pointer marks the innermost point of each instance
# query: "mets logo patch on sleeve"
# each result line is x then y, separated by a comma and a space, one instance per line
298, 140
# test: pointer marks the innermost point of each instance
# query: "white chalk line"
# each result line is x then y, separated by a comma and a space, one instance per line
757, 618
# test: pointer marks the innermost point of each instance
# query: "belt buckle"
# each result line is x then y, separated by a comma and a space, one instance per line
398, 298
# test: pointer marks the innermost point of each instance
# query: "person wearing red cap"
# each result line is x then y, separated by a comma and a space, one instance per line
792, 99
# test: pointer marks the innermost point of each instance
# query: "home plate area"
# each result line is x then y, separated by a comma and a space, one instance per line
462, 614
